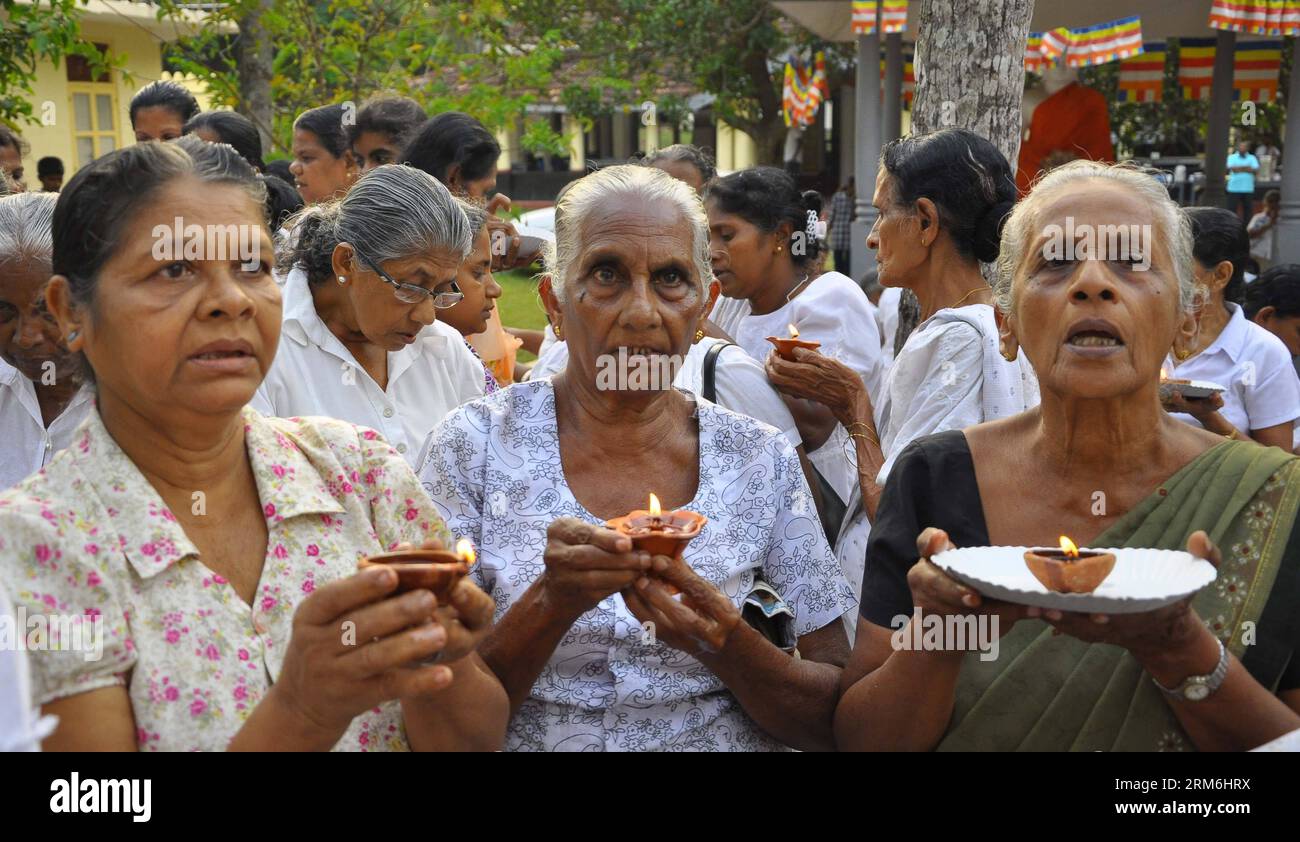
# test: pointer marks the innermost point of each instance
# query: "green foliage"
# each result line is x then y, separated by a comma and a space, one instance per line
33, 34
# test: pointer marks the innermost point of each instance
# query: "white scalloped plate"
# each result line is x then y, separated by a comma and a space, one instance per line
1194, 389
1143, 579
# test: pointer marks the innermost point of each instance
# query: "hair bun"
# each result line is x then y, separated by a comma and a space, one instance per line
812, 200
988, 230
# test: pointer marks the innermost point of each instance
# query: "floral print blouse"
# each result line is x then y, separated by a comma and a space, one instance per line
88, 536
493, 470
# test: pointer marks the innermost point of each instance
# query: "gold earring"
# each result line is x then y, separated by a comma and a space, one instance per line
559, 333
1009, 356
1180, 354
699, 334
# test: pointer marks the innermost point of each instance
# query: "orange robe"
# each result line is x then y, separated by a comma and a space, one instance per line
1074, 120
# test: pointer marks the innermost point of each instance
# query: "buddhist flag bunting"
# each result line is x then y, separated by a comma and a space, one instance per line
1142, 77
893, 15
1195, 67
1034, 53
1256, 66
805, 88
864, 17
1261, 17
1105, 42
1055, 43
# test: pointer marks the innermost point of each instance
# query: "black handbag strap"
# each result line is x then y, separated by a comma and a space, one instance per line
709, 390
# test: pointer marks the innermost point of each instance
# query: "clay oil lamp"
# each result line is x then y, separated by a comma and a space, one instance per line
785, 347
435, 570
658, 532
1069, 569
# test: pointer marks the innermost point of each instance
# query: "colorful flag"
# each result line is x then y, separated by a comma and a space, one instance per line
1034, 53
1260, 17
1255, 69
1105, 42
805, 88
1055, 43
1195, 67
1142, 77
893, 15
864, 17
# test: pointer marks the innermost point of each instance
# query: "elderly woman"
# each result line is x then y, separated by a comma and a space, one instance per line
1262, 397
366, 276
1099, 461
41, 405
591, 645
212, 551
323, 167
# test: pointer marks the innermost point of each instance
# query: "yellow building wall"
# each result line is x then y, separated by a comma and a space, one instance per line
52, 102
736, 150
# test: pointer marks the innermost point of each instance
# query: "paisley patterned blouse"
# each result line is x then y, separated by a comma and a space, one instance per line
88, 544
493, 470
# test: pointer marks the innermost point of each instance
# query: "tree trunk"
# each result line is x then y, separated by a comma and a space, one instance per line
970, 74
254, 57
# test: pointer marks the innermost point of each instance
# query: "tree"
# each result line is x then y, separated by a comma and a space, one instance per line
34, 33
970, 73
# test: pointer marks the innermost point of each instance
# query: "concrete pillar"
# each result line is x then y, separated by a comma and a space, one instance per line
505, 140
893, 125
847, 129
867, 148
1220, 121
623, 137
577, 144
1288, 224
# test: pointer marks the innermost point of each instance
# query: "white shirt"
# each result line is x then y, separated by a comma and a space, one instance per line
887, 320
1254, 365
494, 472
834, 311
948, 376
26, 445
315, 374
739, 382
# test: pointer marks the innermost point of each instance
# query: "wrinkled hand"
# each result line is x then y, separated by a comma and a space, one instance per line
354, 647
1151, 633
466, 617
935, 592
1198, 408
698, 624
586, 563
819, 378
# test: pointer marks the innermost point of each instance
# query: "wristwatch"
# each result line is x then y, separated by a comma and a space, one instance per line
1198, 688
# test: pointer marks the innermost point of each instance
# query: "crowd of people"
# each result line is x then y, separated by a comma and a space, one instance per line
199, 450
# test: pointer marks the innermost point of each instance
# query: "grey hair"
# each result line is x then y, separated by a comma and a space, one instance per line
1174, 229
25, 223
393, 213
477, 216
576, 202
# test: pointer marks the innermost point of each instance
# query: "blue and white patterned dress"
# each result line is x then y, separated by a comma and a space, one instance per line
493, 470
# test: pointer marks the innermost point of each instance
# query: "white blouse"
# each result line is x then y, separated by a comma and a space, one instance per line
315, 374
739, 382
1255, 366
493, 469
28, 444
834, 311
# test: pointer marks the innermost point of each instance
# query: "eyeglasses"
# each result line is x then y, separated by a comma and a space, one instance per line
412, 294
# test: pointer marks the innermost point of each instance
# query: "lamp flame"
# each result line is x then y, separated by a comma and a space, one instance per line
465, 549
1164, 373
655, 509
1068, 547
794, 332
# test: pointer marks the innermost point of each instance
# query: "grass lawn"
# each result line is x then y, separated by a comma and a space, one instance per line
519, 305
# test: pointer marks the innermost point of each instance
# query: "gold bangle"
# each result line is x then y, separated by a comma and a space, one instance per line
1233, 435
865, 433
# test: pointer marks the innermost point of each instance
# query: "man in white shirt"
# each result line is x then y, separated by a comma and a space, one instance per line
28, 444
314, 374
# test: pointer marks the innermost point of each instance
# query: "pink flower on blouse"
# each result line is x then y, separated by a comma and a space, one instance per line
308, 586
369, 435
42, 553
211, 653
48, 599
243, 654
93, 580
268, 602
173, 636
412, 514
149, 548
278, 470
313, 550
171, 694
280, 551
269, 509
217, 578
91, 549
197, 707
241, 693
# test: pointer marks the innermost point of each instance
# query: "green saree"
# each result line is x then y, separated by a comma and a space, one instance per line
1056, 693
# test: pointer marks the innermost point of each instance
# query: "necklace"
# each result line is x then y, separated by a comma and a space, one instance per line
967, 295
797, 287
